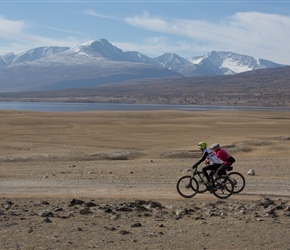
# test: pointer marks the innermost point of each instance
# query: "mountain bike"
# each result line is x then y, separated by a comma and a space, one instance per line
188, 186
237, 178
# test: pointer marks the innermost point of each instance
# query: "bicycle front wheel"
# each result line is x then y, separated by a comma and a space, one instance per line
222, 187
187, 186
238, 180
201, 178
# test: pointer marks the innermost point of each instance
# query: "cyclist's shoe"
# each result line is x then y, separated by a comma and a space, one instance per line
205, 182
211, 189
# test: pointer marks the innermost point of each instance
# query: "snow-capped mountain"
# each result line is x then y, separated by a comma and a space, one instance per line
30, 55
177, 63
214, 63
230, 63
99, 62
87, 65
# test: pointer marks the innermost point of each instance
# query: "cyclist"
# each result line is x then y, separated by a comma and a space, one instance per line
224, 156
212, 161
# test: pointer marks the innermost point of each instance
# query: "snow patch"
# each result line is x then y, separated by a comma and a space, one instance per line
235, 66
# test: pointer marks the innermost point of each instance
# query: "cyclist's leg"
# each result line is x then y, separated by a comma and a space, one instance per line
207, 168
222, 169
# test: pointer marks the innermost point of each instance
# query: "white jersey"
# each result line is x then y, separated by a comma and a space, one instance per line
213, 159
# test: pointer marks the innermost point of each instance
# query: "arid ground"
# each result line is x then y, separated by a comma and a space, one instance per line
107, 180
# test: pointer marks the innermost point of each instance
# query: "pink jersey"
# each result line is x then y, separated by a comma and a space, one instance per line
223, 155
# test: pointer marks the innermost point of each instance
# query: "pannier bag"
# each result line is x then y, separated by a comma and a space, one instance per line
231, 159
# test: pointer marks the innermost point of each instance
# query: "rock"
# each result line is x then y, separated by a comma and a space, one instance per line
85, 210
46, 214
124, 232
147, 203
115, 217
8, 204
47, 220
66, 216
90, 204
208, 204
111, 228
251, 172
58, 209
266, 202
181, 211
108, 210
76, 202
137, 224
124, 208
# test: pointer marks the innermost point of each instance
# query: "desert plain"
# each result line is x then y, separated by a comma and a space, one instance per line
107, 180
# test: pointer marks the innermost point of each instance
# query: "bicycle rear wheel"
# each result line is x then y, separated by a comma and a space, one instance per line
238, 180
223, 187
187, 186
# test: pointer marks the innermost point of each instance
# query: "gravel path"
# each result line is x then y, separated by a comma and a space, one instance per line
67, 186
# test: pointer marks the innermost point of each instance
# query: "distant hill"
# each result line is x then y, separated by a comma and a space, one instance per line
265, 87
97, 63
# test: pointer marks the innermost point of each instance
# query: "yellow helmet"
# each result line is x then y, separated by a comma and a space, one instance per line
202, 145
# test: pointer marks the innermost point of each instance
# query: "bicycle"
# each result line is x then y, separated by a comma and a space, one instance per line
237, 178
188, 186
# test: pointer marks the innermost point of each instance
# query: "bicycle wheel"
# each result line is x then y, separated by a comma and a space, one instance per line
222, 187
200, 178
187, 186
238, 180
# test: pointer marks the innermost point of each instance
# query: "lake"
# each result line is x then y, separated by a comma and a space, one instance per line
80, 107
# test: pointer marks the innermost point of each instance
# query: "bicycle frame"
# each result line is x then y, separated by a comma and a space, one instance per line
200, 173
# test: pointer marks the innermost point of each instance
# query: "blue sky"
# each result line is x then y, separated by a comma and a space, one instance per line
187, 28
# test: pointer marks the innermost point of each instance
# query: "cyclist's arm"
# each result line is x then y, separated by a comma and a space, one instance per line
203, 158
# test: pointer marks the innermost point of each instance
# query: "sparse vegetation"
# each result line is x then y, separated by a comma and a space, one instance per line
267, 87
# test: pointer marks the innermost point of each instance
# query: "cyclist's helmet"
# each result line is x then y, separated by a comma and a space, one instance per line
202, 145
215, 146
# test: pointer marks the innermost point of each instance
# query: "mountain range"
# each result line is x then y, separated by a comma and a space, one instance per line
98, 62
